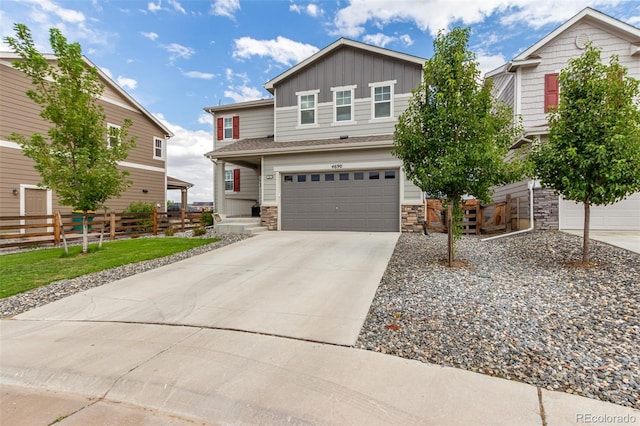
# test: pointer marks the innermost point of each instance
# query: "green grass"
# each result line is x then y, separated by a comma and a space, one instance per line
24, 271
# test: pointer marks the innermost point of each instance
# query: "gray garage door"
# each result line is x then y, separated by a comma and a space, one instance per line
341, 201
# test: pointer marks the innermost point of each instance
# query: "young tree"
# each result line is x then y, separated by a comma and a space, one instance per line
79, 158
454, 136
593, 153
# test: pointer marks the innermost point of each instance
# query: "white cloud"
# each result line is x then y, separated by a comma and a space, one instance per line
311, 9
127, 83
198, 74
205, 118
406, 39
177, 6
150, 35
186, 161
243, 93
378, 39
67, 15
440, 14
232, 75
225, 8
178, 51
489, 62
281, 50
152, 7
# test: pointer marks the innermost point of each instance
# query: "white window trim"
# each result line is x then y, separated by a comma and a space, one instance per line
162, 148
228, 191
335, 90
315, 108
111, 126
224, 136
391, 84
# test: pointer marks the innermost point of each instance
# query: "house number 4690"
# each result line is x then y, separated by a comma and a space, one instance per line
336, 166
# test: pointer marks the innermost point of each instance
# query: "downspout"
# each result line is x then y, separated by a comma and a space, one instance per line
530, 185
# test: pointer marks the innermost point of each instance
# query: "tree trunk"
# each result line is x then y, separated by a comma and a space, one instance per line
450, 234
585, 238
85, 233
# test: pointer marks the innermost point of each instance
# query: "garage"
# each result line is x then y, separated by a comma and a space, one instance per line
621, 216
341, 201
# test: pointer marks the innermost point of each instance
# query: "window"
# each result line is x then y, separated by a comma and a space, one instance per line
307, 106
302, 178
288, 179
389, 174
374, 175
344, 176
228, 128
343, 103
315, 178
358, 176
228, 180
232, 180
158, 148
551, 91
382, 99
113, 135
328, 177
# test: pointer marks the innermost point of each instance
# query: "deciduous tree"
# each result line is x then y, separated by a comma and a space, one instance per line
78, 157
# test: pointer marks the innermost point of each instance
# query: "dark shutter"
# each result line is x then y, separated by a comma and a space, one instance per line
236, 127
220, 132
236, 180
550, 91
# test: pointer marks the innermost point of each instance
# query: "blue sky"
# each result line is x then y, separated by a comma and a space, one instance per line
177, 57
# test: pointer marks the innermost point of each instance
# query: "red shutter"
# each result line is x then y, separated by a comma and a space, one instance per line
236, 180
220, 132
236, 127
550, 91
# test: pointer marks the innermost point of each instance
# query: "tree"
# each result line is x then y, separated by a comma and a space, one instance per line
79, 158
593, 153
454, 136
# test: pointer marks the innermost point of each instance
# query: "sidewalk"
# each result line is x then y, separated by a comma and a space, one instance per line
115, 373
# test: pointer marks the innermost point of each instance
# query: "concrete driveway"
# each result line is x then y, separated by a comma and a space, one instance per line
628, 240
315, 286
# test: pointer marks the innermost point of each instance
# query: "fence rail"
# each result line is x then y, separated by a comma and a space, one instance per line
22, 231
478, 219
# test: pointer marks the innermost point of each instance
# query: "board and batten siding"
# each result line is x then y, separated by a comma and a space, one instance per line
363, 125
255, 122
349, 159
555, 56
348, 66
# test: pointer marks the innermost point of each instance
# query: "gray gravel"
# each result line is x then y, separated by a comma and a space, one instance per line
23, 302
517, 310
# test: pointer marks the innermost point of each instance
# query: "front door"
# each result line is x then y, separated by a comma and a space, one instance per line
35, 204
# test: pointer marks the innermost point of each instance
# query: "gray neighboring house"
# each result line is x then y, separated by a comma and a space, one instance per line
317, 156
528, 83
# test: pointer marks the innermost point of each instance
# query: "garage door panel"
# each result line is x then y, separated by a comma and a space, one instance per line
344, 203
621, 216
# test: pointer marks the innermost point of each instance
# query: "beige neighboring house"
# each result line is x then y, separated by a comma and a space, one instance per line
317, 156
19, 193
528, 83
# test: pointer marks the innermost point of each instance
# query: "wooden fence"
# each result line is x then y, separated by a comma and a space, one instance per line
478, 219
20, 231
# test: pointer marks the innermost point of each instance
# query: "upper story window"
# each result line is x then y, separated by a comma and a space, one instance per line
158, 148
382, 99
343, 103
551, 91
113, 135
307, 107
228, 128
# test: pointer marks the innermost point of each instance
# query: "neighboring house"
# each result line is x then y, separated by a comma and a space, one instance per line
19, 193
318, 155
529, 84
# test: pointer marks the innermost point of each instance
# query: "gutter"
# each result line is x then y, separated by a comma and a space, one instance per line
531, 184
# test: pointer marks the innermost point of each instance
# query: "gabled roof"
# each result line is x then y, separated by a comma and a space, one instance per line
528, 56
269, 85
112, 84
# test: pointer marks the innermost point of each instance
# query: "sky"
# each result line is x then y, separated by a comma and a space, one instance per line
176, 57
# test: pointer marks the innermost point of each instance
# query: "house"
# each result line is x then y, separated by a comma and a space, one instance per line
19, 193
317, 156
528, 83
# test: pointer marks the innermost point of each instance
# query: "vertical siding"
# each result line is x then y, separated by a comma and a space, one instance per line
555, 56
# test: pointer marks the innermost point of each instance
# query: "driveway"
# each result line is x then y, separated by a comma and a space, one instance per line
315, 286
628, 240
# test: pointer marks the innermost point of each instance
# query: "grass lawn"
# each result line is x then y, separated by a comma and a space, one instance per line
28, 270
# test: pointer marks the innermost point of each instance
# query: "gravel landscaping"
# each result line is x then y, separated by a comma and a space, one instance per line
23, 302
517, 310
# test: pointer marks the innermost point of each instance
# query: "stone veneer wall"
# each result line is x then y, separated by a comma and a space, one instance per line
412, 217
269, 217
546, 209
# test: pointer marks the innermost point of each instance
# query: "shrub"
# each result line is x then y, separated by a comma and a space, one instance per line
136, 210
199, 231
170, 231
206, 219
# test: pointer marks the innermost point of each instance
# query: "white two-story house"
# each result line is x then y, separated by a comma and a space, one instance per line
317, 156
528, 83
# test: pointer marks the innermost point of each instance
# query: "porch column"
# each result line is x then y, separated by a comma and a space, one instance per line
218, 187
